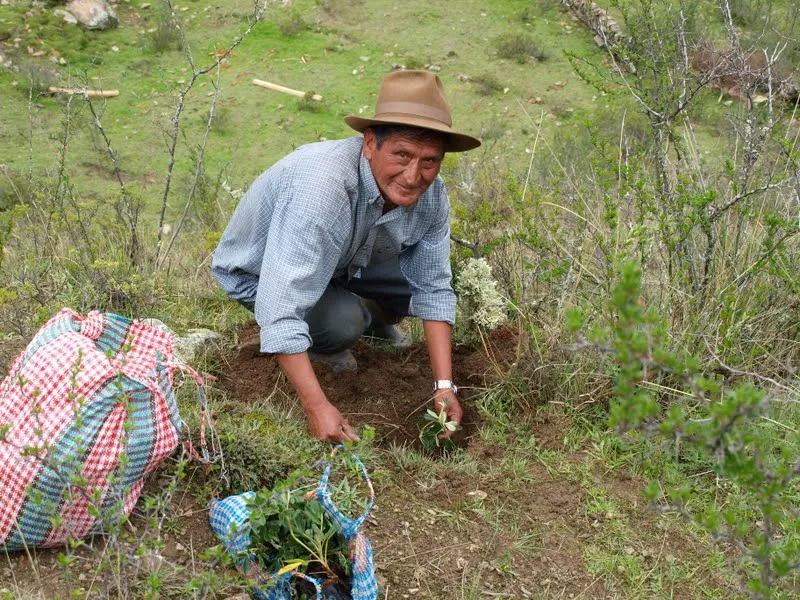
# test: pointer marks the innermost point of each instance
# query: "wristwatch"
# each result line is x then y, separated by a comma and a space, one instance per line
444, 384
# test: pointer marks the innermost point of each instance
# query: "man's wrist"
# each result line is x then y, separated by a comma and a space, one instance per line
444, 384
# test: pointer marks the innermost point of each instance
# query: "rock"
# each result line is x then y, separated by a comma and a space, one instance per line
152, 561
145, 6
93, 14
197, 343
160, 325
239, 597
67, 16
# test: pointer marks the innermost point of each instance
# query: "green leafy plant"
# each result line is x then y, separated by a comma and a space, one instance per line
290, 532
434, 425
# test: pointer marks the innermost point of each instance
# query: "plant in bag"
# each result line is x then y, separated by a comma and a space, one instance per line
280, 535
290, 532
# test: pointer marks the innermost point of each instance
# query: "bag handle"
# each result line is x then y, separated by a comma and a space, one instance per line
348, 526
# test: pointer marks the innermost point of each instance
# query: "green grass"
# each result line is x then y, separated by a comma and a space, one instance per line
260, 125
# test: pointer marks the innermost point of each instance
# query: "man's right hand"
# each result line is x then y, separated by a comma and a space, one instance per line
327, 423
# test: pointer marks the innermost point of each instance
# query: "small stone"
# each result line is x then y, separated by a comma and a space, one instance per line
145, 6
434, 68
114, 49
67, 16
180, 547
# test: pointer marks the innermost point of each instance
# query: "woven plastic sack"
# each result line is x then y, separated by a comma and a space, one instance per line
83, 394
230, 521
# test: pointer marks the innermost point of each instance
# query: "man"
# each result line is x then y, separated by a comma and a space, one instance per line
344, 238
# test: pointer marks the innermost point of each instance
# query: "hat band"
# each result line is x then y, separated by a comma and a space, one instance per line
414, 109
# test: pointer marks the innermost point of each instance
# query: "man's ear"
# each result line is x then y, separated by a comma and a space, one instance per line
370, 144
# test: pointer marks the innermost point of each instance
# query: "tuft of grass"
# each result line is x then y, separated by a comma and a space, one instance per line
488, 84
414, 64
166, 37
308, 104
520, 47
290, 22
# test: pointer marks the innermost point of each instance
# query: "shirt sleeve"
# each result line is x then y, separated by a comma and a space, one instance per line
302, 250
426, 266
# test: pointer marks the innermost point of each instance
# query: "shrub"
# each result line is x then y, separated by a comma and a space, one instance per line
481, 306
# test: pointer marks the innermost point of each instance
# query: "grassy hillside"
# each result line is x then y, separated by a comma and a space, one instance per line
631, 429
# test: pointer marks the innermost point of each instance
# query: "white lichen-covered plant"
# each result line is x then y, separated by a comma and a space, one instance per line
480, 305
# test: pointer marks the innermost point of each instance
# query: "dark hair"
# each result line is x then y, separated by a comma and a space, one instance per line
417, 134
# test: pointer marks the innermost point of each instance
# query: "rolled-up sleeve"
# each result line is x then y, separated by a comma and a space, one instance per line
302, 250
426, 266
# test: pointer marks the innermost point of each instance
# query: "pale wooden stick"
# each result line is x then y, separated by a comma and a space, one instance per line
83, 92
285, 90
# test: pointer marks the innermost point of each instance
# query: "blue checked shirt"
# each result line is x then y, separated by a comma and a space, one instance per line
316, 215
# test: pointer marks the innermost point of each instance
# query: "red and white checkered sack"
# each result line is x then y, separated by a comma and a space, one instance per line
87, 411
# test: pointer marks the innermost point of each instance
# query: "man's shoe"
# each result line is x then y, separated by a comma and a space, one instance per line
383, 332
338, 361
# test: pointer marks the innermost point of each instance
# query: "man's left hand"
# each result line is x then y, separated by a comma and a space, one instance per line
447, 399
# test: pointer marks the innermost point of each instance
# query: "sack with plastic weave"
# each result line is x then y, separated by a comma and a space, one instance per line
87, 411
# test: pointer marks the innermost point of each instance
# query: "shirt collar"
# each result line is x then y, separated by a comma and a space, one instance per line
368, 187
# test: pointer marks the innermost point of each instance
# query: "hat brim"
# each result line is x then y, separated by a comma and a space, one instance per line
454, 142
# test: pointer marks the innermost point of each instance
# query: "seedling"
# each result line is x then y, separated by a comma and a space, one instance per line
434, 426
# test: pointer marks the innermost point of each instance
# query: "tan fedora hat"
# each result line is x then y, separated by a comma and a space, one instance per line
415, 98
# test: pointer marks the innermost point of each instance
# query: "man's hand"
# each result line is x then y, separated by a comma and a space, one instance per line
327, 424
446, 399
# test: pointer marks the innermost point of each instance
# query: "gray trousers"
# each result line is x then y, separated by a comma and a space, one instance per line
339, 319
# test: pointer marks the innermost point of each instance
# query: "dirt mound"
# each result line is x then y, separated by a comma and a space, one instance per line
391, 389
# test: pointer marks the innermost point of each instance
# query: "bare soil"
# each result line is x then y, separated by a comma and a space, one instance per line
391, 390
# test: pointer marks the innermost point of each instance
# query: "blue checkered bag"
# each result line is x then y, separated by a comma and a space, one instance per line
230, 521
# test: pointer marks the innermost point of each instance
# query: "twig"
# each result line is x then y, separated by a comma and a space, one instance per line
476, 250
198, 171
258, 13
87, 93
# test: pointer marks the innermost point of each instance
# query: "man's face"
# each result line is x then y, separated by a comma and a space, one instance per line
403, 167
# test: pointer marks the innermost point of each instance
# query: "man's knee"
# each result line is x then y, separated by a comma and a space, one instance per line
337, 322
